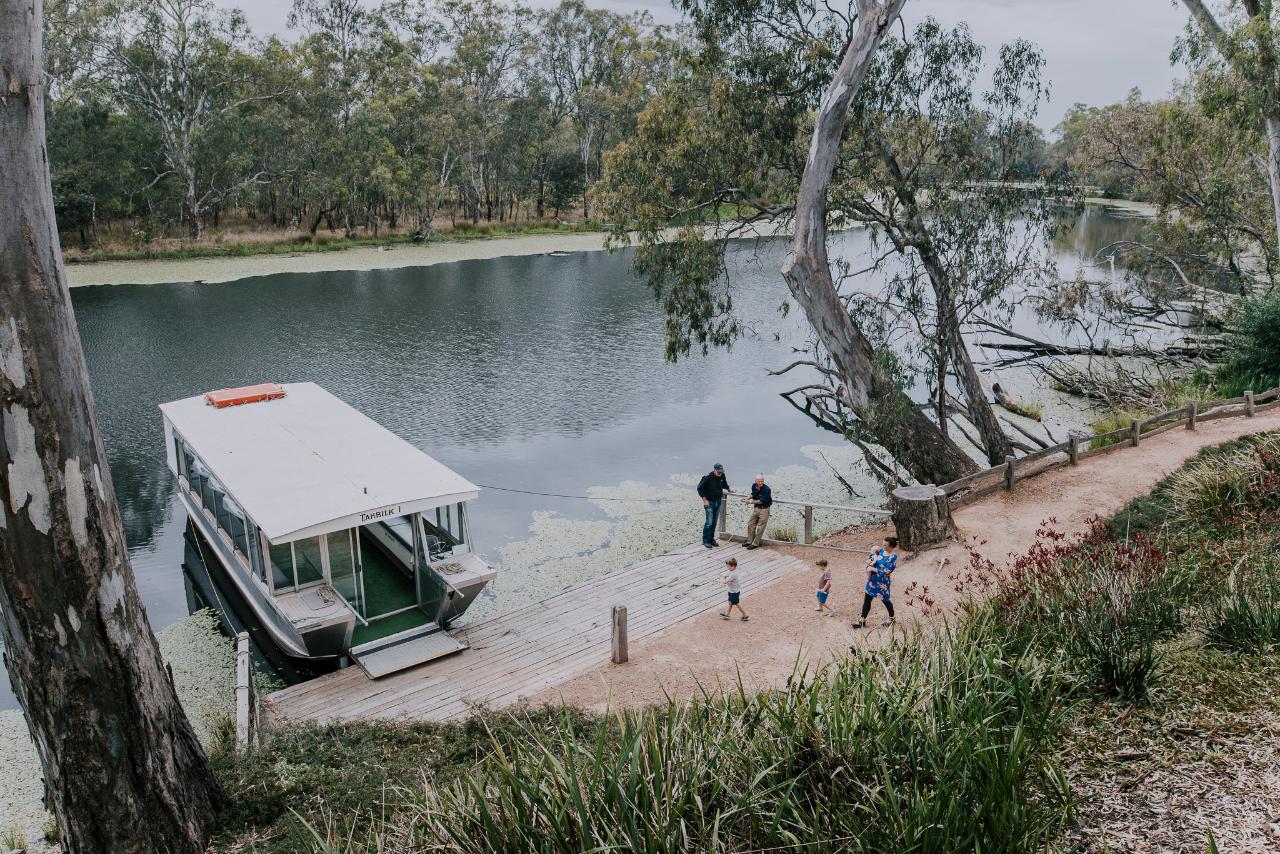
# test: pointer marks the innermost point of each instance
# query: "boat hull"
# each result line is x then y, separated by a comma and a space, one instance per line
322, 642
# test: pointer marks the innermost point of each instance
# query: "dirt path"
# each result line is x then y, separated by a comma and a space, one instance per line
706, 652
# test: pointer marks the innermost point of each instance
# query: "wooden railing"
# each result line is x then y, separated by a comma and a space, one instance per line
1077, 446
806, 536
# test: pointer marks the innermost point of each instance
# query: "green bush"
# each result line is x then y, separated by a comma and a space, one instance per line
1253, 347
347, 768
786, 534
1109, 422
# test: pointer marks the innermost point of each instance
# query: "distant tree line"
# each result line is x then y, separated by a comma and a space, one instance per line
167, 116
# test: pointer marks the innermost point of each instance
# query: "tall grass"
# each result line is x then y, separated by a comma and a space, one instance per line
1211, 486
1246, 618
935, 746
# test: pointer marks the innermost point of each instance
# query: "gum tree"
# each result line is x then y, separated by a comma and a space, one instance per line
123, 769
960, 222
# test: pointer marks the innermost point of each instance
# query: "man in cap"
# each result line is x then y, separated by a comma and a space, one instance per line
712, 488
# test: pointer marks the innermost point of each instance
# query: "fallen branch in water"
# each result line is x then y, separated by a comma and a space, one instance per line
1003, 398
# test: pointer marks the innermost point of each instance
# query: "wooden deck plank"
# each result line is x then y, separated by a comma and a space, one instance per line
541, 645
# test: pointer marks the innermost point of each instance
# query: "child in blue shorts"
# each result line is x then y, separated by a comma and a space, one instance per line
824, 588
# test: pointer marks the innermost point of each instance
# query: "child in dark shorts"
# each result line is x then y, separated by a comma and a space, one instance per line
733, 581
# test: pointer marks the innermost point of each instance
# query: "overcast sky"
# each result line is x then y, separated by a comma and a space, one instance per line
1096, 49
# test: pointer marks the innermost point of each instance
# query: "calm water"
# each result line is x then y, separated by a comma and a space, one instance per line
538, 373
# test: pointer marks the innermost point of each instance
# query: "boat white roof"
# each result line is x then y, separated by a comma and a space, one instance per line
309, 464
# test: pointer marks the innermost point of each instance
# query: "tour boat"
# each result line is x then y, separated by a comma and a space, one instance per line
343, 538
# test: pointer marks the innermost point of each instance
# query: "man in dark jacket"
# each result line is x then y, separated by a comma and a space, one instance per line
712, 488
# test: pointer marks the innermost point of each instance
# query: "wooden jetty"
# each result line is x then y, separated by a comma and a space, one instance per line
522, 653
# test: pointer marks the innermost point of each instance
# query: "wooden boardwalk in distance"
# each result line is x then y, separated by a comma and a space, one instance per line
520, 654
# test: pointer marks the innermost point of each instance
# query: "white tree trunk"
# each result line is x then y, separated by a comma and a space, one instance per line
123, 769
1273, 169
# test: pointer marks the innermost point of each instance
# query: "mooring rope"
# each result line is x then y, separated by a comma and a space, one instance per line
562, 495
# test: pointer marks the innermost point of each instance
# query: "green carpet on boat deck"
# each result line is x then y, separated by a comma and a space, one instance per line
384, 626
387, 588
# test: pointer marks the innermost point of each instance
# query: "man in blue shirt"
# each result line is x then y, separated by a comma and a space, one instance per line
712, 488
761, 499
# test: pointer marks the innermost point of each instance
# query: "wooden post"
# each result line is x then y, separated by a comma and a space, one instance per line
722, 524
1191, 415
921, 516
1008, 473
243, 693
1248, 404
618, 650
1136, 432
1073, 448
808, 524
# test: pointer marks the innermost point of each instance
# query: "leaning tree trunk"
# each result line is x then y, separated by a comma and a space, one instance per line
995, 443
123, 769
885, 410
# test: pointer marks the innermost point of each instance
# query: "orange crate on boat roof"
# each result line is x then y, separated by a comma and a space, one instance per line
244, 394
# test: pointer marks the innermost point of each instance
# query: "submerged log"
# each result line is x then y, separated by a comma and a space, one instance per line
1003, 398
921, 516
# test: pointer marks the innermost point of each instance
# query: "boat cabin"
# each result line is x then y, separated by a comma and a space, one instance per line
343, 537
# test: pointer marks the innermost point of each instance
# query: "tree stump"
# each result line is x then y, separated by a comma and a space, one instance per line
922, 516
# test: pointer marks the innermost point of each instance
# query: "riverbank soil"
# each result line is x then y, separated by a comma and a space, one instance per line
707, 653
230, 268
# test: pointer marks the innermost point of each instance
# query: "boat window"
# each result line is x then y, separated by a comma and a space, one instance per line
208, 490
196, 480
238, 530
307, 561
436, 534
254, 545
221, 511
449, 523
188, 462
180, 458
281, 566
459, 525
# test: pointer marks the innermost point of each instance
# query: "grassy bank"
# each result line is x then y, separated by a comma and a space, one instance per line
1112, 692
284, 243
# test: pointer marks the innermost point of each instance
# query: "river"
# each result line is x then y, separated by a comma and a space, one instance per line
539, 373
